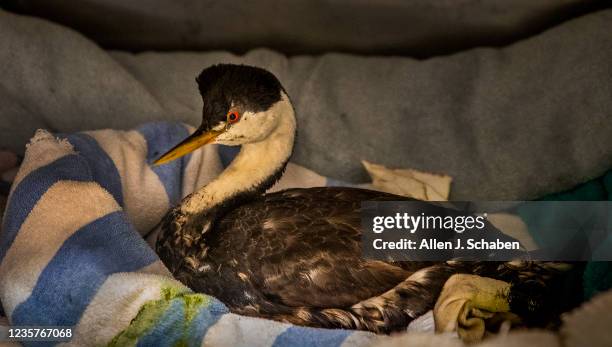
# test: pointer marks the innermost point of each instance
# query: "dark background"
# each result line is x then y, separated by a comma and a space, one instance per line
417, 28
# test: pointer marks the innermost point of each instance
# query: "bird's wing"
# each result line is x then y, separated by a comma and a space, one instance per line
303, 247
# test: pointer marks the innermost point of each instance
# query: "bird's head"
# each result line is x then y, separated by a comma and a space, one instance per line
240, 107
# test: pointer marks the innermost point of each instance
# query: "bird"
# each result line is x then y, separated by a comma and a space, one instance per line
295, 255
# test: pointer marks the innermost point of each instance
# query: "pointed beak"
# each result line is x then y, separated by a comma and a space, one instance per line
198, 139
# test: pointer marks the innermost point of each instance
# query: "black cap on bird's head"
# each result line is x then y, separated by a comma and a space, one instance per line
230, 94
225, 85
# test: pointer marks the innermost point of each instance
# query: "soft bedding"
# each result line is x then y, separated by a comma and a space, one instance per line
512, 123
72, 252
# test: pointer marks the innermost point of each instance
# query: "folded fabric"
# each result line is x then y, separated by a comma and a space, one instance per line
409, 182
467, 302
487, 117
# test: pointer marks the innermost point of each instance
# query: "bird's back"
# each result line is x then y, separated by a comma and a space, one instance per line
302, 246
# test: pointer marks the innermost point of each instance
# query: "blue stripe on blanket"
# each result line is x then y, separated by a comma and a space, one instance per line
160, 137
101, 166
200, 325
82, 264
309, 337
173, 329
27, 193
168, 329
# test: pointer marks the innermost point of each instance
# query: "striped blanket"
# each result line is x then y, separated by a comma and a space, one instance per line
73, 249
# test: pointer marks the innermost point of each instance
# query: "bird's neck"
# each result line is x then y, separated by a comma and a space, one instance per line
255, 169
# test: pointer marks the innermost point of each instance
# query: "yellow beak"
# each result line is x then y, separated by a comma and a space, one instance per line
190, 144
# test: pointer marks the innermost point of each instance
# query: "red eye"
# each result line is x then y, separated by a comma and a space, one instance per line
233, 117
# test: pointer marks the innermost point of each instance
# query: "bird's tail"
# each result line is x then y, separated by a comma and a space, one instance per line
536, 295
385, 313
540, 292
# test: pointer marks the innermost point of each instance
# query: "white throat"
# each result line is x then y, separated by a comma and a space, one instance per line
254, 165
